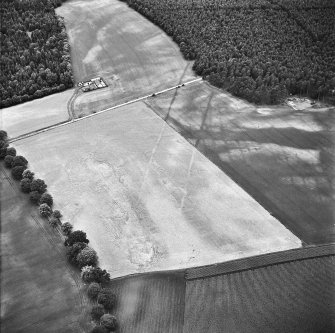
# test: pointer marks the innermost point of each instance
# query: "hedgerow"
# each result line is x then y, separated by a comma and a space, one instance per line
45, 210
78, 252
25, 185
34, 196
17, 172
46, 198
106, 298
73, 251
93, 290
97, 312
109, 322
66, 228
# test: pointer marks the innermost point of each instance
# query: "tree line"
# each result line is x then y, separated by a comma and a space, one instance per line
259, 50
35, 53
78, 252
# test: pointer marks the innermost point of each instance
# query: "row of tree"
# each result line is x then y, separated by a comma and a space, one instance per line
78, 252
300, 4
35, 53
258, 50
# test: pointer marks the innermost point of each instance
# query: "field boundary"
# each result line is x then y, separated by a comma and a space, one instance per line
260, 261
243, 264
70, 121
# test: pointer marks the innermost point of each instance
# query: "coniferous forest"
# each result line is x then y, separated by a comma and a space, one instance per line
35, 59
259, 50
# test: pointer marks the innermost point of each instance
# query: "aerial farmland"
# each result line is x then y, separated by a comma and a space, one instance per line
156, 201
164, 169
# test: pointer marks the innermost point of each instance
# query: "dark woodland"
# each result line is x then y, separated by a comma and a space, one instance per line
258, 50
35, 59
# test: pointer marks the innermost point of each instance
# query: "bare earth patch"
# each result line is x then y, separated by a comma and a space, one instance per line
147, 199
134, 57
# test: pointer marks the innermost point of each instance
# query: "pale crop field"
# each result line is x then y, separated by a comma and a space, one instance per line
148, 199
36, 114
134, 56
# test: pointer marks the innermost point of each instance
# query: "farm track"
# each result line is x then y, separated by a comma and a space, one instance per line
53, 239
72, 120
70, 104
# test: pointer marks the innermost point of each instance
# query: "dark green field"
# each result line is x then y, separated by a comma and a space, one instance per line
39, 291
284, 158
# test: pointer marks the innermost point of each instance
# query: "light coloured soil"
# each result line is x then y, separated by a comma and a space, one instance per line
283, 157
134, 56
36, 114
147, 199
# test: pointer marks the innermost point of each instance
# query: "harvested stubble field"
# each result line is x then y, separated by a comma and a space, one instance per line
36, 114
283, 157
147, 199
39, 291
133, 56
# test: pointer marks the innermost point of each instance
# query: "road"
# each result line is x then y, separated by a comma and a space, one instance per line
49, 128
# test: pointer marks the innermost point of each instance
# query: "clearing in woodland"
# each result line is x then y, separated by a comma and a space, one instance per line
147, 199
133, 56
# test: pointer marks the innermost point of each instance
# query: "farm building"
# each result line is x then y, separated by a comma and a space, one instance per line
92, 84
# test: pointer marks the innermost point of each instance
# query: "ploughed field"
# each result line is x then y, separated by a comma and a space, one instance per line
134, 57
283, 157
40, 292
148, 199
151, 302
288, 297
290, 291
